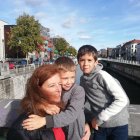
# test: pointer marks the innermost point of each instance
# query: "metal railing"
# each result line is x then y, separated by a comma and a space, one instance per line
121, 61
24, 69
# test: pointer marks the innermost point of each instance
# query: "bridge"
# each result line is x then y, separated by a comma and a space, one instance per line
9, 104
9, 109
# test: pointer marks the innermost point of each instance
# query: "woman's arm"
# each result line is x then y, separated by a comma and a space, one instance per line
34, 121
64, 118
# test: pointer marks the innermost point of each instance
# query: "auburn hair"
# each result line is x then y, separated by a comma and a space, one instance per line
34, 102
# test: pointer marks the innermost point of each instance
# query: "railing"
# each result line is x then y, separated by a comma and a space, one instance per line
121, 61
24, 69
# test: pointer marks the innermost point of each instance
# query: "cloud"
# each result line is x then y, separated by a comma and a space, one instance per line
81, 32
135, 3
71, 21
68, 23
85, 37
41, 15
35, 3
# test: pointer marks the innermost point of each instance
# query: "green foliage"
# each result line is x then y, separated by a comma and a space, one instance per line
61, 45
72, 50
25, 36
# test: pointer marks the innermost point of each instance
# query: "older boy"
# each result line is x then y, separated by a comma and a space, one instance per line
107, 99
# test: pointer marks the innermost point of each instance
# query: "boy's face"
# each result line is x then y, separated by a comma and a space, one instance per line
67, 79
87, 63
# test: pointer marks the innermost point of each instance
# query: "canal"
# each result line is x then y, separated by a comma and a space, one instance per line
131, 88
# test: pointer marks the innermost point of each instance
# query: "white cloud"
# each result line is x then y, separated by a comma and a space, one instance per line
68, 23
81, 32
85, 37
90, 23
35, 3
41, 15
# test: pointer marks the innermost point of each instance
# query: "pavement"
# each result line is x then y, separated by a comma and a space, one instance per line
9, 111
134, 121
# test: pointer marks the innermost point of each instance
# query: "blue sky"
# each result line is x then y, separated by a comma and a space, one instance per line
101, 23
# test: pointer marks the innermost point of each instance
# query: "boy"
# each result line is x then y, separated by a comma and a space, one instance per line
108, 101
73, 96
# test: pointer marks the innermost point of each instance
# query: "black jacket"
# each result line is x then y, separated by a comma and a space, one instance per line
16, 132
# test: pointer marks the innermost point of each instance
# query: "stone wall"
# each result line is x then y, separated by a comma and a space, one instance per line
128, 70
13, 87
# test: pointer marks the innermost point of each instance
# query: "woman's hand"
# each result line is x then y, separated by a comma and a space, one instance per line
34, 122
87, 132
52, 109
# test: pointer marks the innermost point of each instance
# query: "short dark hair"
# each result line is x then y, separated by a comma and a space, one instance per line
87, 49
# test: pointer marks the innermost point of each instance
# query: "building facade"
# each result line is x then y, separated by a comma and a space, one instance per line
2, 40
129, 49
138, 52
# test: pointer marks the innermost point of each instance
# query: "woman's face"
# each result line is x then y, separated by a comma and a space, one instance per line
52, 88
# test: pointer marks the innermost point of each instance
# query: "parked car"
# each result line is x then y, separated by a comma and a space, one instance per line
21, 63
11, 64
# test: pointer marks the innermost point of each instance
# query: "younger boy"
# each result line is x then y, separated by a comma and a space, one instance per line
74, 97
108, 101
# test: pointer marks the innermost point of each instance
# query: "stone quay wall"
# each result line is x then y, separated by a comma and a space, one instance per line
13, 81
13, 87
127, 70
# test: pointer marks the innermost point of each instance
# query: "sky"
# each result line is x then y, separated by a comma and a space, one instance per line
101, 23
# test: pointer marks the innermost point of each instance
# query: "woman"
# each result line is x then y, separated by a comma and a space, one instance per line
43, 93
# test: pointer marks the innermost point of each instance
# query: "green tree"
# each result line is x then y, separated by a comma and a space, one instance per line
72, 50
61, 45
25, 36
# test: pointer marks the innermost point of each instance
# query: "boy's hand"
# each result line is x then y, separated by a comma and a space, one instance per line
94, 124
34, 122
87, 133
53, 109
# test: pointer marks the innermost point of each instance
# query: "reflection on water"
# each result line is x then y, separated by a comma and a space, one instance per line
78, 74
131, 88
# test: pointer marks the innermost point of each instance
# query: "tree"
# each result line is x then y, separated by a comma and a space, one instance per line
61, 45
72, 50
25, 36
